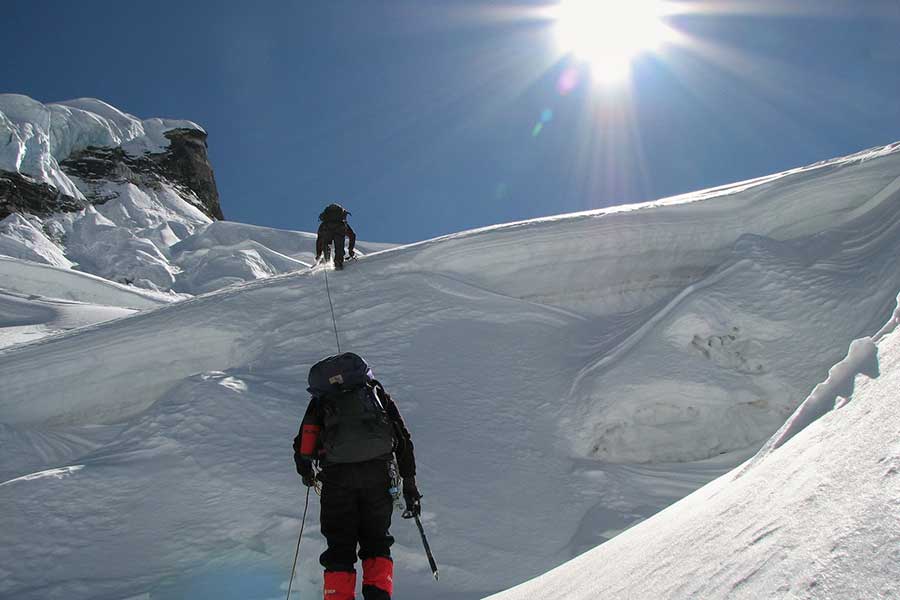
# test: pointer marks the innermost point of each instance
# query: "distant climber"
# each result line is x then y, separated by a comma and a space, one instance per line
333, 227
353, 431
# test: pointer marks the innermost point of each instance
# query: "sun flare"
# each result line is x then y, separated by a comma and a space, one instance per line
609, 34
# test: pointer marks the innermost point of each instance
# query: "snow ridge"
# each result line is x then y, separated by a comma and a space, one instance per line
833, 393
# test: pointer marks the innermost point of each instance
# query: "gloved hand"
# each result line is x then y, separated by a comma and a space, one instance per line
411, 497
305, 470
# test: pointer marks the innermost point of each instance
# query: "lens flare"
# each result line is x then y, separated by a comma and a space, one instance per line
609, 34
567, 81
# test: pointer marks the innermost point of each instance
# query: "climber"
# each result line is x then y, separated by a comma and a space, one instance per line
333, 227
353, 432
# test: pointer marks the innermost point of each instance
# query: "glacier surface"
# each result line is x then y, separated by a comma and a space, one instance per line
564, 379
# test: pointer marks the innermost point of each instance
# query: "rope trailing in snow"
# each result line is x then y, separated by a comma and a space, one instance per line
297, 551
333, 319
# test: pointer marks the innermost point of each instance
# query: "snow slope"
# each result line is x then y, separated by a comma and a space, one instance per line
37, 300
225, 253
155, 241
24, 319
817, 516
564, 379
37, 279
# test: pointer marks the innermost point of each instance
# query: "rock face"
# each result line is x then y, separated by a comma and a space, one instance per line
21, 194
187, 164
184, 164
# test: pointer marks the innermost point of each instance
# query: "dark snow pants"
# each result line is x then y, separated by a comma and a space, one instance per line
331, 233
356, 511
338, 241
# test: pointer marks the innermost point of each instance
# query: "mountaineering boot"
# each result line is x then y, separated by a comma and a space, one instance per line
340, 585
378, 578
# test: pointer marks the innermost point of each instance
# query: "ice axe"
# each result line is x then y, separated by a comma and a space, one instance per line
410, 514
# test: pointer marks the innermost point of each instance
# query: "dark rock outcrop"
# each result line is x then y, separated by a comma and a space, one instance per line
21, 194
96, 165
185, 164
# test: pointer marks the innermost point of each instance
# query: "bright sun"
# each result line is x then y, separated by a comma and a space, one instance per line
608, 34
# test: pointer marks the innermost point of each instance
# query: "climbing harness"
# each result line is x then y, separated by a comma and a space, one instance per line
395, 485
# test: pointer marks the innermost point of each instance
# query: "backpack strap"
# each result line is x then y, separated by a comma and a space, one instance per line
390, 409
379, 397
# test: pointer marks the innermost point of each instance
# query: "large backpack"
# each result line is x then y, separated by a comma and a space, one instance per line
355, 424
334, 213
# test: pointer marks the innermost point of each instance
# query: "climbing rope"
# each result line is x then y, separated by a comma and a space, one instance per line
431, 561
318, 490
333, 319
297, 551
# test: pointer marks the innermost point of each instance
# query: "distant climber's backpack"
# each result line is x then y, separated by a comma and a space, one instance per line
355, 424
334, 213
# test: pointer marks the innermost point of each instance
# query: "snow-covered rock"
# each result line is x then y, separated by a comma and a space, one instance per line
34, 137
104, 192
85, 185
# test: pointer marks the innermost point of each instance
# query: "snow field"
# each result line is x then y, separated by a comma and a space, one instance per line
554, 400
37, 300
29, 319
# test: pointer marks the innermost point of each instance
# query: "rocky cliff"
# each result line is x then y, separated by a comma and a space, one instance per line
22, 194
185, 165
60, 157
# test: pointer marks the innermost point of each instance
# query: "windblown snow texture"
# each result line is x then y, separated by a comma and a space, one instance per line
556, 398
813, 515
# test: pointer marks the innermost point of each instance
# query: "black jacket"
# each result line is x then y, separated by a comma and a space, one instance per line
403, 447
328, 231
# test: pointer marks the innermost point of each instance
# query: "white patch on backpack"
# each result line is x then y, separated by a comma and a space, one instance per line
337, 379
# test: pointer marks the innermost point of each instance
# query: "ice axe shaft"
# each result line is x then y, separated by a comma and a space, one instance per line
431, 563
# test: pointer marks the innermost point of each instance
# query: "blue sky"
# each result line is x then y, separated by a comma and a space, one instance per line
422, 116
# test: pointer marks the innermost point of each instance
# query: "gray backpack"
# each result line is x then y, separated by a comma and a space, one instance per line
334, 213
356, 427
355, 424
